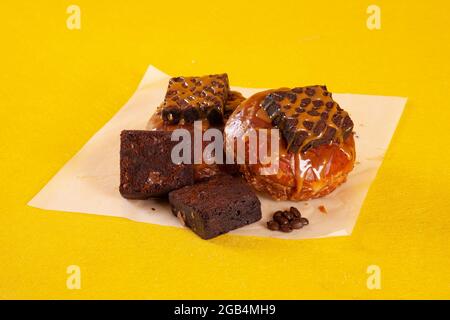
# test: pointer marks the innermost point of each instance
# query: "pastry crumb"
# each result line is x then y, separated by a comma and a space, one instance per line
323, 209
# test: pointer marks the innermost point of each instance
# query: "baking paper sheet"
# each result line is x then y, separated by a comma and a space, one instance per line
89, 182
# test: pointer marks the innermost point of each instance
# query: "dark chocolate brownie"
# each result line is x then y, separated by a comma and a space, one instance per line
146, 167
216, 206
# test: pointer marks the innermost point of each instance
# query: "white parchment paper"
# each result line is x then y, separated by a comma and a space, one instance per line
89, 182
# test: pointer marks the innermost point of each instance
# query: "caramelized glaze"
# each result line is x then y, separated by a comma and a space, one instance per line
195, 98
301, 175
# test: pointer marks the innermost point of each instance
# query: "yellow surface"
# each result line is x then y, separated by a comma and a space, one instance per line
59, 86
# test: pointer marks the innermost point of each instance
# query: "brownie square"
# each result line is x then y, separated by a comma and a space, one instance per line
146, 167
193, 98
216, 206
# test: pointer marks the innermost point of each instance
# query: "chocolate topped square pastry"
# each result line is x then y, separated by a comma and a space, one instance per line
193, 98
146, 167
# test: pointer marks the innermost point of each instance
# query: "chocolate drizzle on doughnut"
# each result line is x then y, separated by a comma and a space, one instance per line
307, 117
193, 98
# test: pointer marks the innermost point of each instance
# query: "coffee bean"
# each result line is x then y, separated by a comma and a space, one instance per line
287, 220
286, 228
282, 221
273, 225
304, 221
296, 224
288, 215
277, 215
295, 212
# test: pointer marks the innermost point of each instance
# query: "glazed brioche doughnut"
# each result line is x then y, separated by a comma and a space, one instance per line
316, 147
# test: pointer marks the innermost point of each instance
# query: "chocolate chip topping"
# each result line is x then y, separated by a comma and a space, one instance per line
305, 102
308, 124
320, 126
318, 103
310, 119
194, 98
310, 91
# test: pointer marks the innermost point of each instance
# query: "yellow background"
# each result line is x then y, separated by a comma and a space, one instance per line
58, 87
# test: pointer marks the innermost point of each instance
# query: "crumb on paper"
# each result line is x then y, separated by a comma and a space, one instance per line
323, 209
